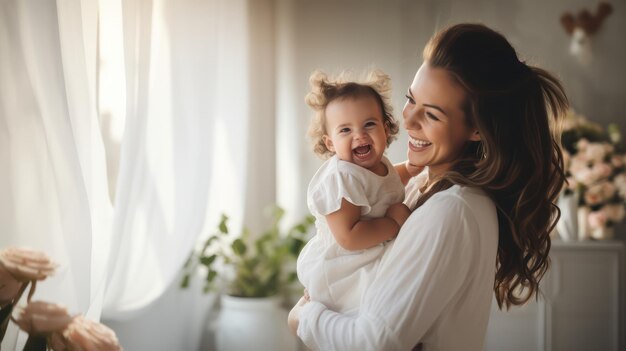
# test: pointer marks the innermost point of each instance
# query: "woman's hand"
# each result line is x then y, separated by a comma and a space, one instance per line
406, 171
294, 315
412, 169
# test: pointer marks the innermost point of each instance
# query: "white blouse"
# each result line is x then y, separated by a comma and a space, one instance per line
434, 285
333, 275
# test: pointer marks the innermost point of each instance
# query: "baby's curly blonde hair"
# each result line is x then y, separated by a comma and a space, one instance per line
326, 89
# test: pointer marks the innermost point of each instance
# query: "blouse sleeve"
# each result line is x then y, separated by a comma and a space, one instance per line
417, 278
325, 197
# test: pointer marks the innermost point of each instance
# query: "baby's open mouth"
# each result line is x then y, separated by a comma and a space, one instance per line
362, 151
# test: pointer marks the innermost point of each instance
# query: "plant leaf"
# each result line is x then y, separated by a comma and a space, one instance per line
211, 276
184, 284
239, 247
223, 227
208, 260
292, 277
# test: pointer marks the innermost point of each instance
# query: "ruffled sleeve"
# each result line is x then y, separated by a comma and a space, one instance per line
325, 196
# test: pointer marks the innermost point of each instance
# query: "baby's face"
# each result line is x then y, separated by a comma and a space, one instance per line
356, 132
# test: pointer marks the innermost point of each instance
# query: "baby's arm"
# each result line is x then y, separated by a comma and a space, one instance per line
398, 212
352, 233
407, 171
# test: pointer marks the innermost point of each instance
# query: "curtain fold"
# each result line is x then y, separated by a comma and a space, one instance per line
185, 70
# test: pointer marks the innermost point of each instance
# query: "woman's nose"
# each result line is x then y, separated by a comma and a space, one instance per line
411, 120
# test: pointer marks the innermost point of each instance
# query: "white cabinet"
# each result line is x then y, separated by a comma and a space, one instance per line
581, 305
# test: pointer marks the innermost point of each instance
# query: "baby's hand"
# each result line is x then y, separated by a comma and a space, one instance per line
398, 212
413, 169
306, 296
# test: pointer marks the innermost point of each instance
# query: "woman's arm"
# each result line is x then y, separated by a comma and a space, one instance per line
417, 278
352, 233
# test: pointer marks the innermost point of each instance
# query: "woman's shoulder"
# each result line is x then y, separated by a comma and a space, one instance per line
460, 203
461, 194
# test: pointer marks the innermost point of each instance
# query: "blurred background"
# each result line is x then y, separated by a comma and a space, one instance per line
128, 128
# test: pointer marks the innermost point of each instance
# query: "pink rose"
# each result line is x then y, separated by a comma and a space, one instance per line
608, 190
26, 265
614, 212
40, 317
601, 170
86, 335
597, 219
599, 193
592, 197
578, 162
595, 152
584, 176
617, 161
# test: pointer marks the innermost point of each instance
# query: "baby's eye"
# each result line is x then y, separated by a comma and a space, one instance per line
344, 130
370, 124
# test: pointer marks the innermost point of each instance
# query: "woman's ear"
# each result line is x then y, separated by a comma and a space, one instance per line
329, 143
475, 136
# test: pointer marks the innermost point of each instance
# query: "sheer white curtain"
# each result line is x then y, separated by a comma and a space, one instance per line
52, 179
184, 153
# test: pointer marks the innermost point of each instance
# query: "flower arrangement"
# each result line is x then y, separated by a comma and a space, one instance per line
596, 175
49, 326
246, 266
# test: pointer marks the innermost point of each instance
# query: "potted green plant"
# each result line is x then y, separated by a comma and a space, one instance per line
251, 272
259, 266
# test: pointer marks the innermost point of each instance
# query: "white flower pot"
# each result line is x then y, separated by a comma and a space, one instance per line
246, 324
567, 226
584, 231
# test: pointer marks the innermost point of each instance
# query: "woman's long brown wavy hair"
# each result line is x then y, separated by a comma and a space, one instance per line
518, 162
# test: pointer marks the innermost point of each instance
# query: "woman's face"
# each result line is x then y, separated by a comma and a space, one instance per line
435, 121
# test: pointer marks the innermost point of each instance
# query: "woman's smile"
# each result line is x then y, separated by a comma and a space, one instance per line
418, 144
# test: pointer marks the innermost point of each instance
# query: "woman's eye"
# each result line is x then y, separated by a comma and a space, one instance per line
431, 116
411, 101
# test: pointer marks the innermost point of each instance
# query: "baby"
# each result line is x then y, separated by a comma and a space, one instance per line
356, 195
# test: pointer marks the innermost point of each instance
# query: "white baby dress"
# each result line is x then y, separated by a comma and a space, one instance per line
333, 275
